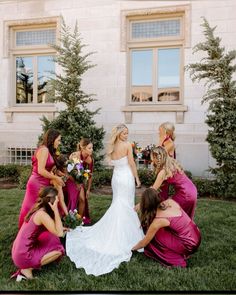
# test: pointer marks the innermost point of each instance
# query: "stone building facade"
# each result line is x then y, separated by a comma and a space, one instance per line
141, 50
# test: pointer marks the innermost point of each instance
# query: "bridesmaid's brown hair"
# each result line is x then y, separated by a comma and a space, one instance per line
46, 194
150, 202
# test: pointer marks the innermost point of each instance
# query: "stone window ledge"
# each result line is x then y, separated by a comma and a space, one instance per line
49, 110
178, 109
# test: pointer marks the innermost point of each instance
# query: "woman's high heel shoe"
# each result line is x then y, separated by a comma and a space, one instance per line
19, 276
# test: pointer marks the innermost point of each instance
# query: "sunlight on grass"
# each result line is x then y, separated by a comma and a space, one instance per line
213, 267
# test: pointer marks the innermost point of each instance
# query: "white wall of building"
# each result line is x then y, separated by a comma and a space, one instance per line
100, 27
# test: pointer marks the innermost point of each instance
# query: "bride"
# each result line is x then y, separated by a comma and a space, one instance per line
102, 247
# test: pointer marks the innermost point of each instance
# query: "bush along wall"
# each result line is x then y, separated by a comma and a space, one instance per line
206, 187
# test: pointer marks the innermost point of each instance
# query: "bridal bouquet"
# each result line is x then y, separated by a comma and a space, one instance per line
72, 220
76, 169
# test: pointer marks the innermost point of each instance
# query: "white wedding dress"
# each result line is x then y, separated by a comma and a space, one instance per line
102, 247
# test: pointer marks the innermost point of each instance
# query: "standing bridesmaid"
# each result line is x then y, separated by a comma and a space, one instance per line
169, 171
171, 236
167, 137
31, 250
42, 161
78, 194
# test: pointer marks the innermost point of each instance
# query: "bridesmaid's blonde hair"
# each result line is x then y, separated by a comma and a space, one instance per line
161, 160
115, 133
169, 129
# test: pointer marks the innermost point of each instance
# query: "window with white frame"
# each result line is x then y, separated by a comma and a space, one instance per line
155, 56
33, 63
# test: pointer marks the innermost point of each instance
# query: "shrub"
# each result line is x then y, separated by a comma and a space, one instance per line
146, 176
217, 69
102, 177
25, 173
10, 171
76, 120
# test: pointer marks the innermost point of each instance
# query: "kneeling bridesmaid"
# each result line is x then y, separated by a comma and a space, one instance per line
32, 248
171, 236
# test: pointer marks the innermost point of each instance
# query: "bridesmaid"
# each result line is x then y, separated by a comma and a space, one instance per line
169, 171
31, 250
166, 140
167, 137
78, 195
171, 236
42, 161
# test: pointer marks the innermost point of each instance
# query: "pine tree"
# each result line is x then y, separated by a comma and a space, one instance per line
217, 70
76, 120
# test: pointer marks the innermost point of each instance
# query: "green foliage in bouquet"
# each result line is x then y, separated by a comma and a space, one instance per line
72, 220
217, 69
76, 121
76, 169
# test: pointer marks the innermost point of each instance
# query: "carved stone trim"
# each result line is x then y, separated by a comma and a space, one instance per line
178, 109
9, 117
7, 25
128, 117
49, 111
179, 117
155, 108
185, 9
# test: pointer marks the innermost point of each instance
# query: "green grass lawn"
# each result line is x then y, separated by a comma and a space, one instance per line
213, 267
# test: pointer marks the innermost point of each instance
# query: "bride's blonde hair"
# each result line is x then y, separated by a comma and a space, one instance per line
115, 133
161, 160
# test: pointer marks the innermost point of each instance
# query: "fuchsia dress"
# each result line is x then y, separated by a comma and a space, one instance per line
185, 192
173, 245
34, 184
164, 194
72, 191
32, 243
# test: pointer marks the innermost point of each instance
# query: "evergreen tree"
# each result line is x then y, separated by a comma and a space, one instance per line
217, 70
76, 120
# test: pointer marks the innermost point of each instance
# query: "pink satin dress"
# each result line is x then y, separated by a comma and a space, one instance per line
185, 192
72, 192
164, 194
173, 245
34, 184
32, 243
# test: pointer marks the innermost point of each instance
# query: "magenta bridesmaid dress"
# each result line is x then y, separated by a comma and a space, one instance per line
72, 193
164, 193
35, 182
32, 243
173, 245
185, 192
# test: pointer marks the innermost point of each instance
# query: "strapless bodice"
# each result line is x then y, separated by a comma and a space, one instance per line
120, 162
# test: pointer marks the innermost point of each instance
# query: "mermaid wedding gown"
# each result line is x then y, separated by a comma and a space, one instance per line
102, 247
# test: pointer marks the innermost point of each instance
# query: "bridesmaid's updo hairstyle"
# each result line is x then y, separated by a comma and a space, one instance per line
169, 129
161, 160
83, 143
150, 202
48, 140
46, 194
115, 133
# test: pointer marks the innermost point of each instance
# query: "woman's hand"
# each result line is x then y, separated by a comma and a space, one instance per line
54, 206
59, 181
60, 173
87, 194
137, 207
138, 183
66, 229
